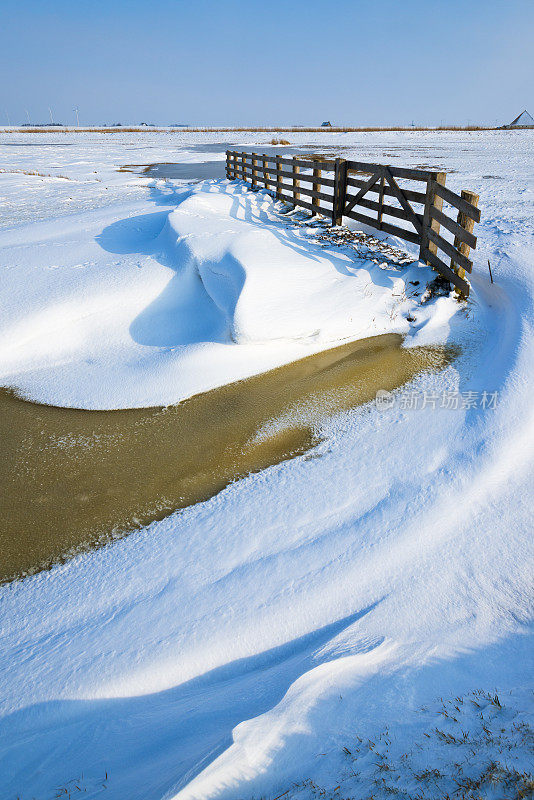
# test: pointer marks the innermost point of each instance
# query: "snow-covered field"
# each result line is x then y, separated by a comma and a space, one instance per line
238, 648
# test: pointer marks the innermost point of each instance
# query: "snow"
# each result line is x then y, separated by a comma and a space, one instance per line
235, 648
152, 308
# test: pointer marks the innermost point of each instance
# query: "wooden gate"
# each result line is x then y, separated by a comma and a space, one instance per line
349, 188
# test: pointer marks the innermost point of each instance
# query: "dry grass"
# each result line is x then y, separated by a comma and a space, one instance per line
481, 756
481, 751
134, 167
345, 129
34, 173
76, 786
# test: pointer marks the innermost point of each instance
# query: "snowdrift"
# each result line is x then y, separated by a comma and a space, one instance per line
154, 308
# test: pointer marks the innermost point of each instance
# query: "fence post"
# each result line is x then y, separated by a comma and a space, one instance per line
227, 166
467, 224
432, 199
340, 190
266, 175
254, 172
296, 182
381, 201
278, 178
316, 186
243, 166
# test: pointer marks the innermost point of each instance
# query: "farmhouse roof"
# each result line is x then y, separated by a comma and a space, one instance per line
523, 119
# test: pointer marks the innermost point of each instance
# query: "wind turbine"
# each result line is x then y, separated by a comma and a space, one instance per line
77, 117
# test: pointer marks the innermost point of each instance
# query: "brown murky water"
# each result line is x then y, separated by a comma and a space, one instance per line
73, 479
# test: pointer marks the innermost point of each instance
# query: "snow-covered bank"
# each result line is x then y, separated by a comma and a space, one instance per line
239, 645
153, 308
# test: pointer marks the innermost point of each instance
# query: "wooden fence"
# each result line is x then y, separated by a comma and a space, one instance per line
339, 188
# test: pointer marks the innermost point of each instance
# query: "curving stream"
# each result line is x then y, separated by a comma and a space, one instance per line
73, 479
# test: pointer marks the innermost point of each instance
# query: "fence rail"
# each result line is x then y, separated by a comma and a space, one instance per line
338, 188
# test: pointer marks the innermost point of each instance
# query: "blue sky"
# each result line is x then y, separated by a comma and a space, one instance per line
231, 62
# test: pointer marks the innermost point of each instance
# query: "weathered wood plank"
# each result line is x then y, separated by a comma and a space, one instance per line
266, 181
458, 202
397, 172
466, 225
372, 221
326, 212
447, 272
389, 211
305, 164
412, 217
279, 183
410, 194
380, 209
328, 198
358, 166
316, 184
452, 225
265, 173
352, 201
302, 162
450, 250
340, 188
303, 177
394, 230
296, 183
432, 199
402, 233
262, 178
231, 162
254, 171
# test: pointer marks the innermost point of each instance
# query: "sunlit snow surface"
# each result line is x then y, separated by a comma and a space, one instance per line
238, 646
151, 308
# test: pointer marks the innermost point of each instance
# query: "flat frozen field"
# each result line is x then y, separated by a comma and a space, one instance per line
236, 648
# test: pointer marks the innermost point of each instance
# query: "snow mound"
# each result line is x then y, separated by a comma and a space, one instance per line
151, 309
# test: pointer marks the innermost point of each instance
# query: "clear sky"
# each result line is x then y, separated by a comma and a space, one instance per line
247, 62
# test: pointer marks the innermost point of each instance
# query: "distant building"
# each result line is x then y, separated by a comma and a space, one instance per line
326, 124
524, 120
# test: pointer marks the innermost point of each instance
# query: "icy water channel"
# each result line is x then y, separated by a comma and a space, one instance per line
210, 169
73, 479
